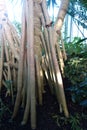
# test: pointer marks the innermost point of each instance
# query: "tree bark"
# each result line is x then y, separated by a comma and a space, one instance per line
20, 71
1, 57
31, 62
59, 82
61, 15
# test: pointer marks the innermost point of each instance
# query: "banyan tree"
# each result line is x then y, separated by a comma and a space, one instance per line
9, 51
25, 61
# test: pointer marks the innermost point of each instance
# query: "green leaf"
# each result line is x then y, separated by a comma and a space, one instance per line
81, 40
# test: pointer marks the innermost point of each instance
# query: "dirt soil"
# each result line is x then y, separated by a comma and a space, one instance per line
46, 115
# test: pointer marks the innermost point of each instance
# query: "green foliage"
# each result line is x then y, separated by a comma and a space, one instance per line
73, 121
77, 10
76, 65
76, 70
76, 47
84, 3
79, 93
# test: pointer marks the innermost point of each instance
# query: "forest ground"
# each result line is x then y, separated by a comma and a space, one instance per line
48, 115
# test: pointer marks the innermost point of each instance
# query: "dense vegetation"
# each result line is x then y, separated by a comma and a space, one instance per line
43, 70
76, 70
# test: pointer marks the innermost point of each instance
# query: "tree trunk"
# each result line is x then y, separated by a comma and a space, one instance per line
20, 71
1, 56
31, 63
59, 83
61, 15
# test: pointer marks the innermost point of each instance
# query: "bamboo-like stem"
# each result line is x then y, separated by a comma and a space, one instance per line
24, 81
63, 47
9, 71
59, 52
13, 78
10, 41
14, 33
1, 57
61, 15
20, 70
47, 75
59, 81
58, 26
14, 74
60, 91
47, 47
42, 81
38, 79
30, 31
44, 7
5, 76
27, 107
60, 57
12, 65
30, 103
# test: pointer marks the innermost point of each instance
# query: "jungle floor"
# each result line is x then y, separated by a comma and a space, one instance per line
48, 116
